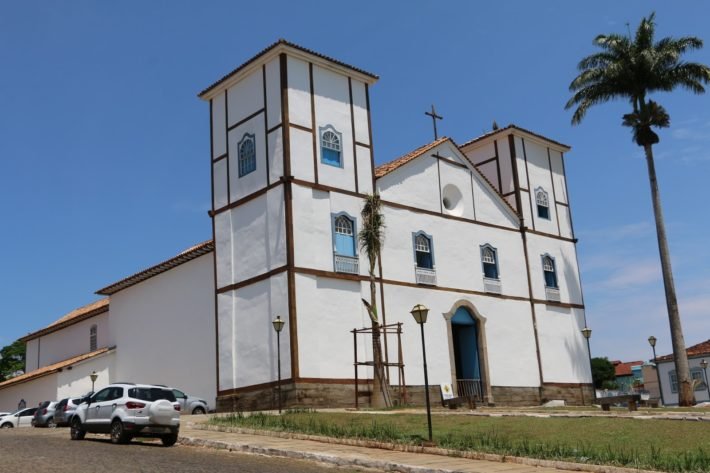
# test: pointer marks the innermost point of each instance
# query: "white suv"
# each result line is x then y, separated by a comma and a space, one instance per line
127, 410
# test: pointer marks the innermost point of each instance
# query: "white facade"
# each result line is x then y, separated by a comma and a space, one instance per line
277, 238
666, 372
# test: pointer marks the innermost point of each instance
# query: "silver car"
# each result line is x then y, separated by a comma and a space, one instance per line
44, 416
64, 410
190, 404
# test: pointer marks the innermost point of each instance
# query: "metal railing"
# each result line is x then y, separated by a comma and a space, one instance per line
346, 264
425, 276
470, 389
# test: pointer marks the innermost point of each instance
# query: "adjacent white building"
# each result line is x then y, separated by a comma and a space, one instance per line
481, 233
698, 373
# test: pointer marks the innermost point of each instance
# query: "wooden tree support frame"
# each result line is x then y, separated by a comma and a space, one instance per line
391, 329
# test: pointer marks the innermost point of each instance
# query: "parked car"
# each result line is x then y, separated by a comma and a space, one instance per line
190, 404
127, 410
44, 416
64, 410
3, 414
21, 418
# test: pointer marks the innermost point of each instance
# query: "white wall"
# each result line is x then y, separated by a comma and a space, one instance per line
33, 392
164, 329
671, 398
563, 348
565, 256
76, 382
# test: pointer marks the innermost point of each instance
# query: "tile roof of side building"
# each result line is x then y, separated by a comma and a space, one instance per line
46, 370
188, 255
73, 317
624, 368
283, 42
701, 349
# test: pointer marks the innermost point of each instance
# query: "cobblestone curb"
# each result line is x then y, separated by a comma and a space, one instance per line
386, 466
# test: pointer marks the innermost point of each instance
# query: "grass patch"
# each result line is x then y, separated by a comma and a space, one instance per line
664, 445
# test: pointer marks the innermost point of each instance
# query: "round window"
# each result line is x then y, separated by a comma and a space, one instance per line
452, 200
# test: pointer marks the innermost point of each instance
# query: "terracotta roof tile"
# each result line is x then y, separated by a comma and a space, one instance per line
294, 46
187, 255
624, 368
387, 168
701, 349
73, 317
513, 127
46, 370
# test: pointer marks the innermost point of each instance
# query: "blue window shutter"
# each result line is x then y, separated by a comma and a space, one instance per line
331, 157
344, 245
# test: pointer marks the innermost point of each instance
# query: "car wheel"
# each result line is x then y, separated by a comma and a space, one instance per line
77, 432
51, 424
169, 439
118, 433
7, 425
198, 411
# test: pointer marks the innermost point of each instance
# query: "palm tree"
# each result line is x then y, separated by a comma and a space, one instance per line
631, 69
371, 238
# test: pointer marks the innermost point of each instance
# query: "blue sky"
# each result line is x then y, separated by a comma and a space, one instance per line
104, 151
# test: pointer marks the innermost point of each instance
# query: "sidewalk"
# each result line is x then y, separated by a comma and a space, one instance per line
193, 434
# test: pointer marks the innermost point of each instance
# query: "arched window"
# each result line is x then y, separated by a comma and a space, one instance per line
92, 338
548, 268
543, 203
344, 229
423, 251
330, 146
247, 155
489, 259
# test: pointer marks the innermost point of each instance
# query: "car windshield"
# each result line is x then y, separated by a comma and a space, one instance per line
151, 394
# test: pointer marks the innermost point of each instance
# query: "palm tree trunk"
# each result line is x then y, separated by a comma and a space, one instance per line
685, 392
380, 387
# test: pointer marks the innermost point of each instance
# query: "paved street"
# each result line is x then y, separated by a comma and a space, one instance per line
39, 450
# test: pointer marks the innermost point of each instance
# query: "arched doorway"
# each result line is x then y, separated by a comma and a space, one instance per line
467, 352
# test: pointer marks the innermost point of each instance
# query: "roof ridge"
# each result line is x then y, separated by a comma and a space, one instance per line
513, 126
386, 168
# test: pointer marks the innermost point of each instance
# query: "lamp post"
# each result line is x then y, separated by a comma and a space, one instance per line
93, 377
652, 342
587, 332
278, 326
420, 312
704, 366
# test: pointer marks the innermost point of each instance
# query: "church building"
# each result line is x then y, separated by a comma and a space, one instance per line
480, 233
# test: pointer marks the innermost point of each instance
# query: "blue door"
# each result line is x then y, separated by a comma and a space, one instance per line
465, 337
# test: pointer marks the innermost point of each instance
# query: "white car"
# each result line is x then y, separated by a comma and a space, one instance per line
21, 418
127, 410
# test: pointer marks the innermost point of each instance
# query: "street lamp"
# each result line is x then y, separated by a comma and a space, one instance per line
587, 333
652, 342
278, 326
93, 377
420, 312
704, 366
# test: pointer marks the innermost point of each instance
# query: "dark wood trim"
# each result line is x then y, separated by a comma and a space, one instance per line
473, 196
252, 280
500, 181
369, 134
438, 173
554, 194
564, 305
527, 177
552, 235
247, 198
301, 127
352, 130
273, 128
486, 161
313, 122
326, 381
449, 161
323, 187
568, 385
288, 196
266, 125
226, 138
561, 203
569, 204
532, 304
524, 189
508, 194
246, 119
214, 261
364, 145
221, 156
330, 274
516, 179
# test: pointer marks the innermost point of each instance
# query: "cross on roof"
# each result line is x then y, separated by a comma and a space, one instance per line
434, 118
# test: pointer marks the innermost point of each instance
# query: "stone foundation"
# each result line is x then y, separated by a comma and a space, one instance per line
318, 395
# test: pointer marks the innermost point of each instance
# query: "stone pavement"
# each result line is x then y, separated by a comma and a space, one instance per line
353, 456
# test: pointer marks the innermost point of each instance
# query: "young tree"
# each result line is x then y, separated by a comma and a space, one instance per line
12, 360
603, 373
631, 69
371, 238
